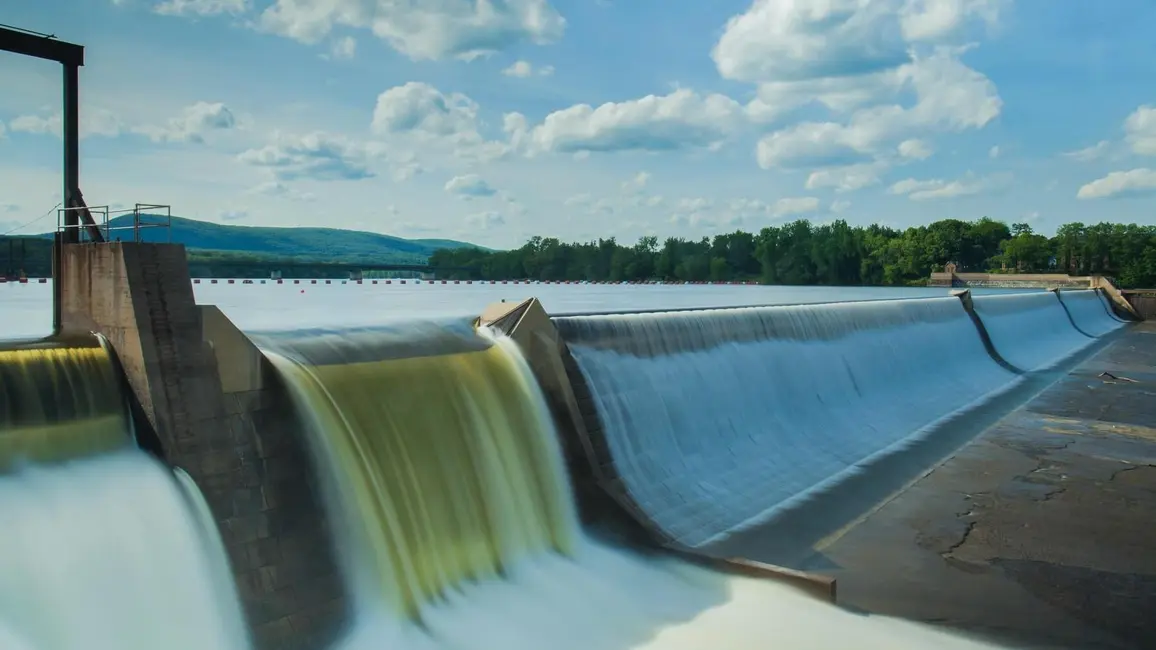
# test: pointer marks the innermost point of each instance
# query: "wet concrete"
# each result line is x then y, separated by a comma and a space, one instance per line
1041, 533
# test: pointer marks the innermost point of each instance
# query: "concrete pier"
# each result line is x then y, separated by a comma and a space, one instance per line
1040, 532
216, 408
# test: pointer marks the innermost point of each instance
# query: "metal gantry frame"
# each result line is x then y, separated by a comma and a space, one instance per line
76, 213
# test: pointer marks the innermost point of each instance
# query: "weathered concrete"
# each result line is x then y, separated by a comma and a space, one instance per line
950, 278
1142, 302
1039, 533
216, 408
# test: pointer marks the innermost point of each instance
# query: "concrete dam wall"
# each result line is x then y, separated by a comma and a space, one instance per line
423, 486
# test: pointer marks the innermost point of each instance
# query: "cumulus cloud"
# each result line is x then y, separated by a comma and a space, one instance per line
278, 189
933, 189
846, 179
1136, 182
343, 48
800, 40
469, 185
949, 96
194, 8
1140, 131
1089, 154
915, 149
428, 30
233, 215
525, 69
94, 121
486, 220
637, 183
681, 120
192, 124
318, 155
420, 110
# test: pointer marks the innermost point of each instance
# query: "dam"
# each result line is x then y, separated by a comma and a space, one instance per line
969, 469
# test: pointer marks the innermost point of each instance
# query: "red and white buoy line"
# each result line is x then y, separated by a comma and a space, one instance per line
427, 282
431, 282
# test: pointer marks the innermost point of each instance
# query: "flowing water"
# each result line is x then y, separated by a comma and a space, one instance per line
446, 474
59, 402
718, 420
102, 548
445, 481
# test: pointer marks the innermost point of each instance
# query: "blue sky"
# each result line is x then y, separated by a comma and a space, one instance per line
496, 120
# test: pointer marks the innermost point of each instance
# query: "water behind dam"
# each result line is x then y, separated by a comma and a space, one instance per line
455, 518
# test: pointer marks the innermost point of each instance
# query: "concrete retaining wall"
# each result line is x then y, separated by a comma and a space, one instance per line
216, 409
1008, 280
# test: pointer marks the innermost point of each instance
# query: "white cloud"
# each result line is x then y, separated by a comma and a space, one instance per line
193, 8
915, 149
233, 215
994, 152
637, 183
933, 189
681, 120
846, 179
1140, 130
840, 206
1089, 154
343, 48
1136, 182
799, 40
949, 96
419, 110
93, 122
525, 69
192, 124
279, 189
469, 185
486, 220
795, 206
429, 30
318, 155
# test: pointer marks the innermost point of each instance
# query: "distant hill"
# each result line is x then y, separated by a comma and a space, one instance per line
302, 243
214, 248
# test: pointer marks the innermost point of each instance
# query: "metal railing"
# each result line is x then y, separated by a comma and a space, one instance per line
103, 216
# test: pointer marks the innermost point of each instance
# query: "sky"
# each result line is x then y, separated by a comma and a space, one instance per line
493, 121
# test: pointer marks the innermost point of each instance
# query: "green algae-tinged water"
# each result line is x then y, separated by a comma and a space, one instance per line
440, 464
58, 403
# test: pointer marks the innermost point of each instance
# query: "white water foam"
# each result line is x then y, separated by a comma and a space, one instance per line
606, 599
1031, 331
717, 419
107, 553
1089, 312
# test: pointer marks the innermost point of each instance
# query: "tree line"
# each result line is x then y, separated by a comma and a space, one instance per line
802, 253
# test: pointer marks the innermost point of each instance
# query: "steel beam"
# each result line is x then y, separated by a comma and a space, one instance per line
41, 47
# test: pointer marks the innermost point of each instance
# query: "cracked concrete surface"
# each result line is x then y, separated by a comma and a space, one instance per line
1040, 533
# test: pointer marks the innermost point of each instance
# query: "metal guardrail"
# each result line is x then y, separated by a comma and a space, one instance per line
103, 215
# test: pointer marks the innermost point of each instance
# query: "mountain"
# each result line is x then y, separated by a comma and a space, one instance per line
302, 243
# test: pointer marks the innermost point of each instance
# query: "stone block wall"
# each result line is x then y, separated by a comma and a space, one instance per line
220, 415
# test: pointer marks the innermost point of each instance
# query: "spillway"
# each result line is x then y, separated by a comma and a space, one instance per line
1032, 331
447, 482
717, 421
1090, 312
59, 402
102, 547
